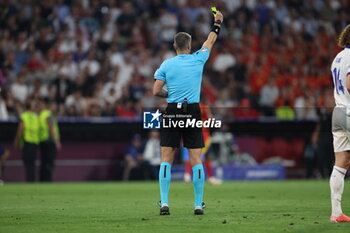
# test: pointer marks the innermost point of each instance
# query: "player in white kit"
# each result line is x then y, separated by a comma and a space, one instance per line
341, 125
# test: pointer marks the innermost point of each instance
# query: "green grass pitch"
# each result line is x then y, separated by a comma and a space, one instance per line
287, 206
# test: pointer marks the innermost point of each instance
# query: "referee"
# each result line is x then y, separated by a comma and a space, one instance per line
183, 76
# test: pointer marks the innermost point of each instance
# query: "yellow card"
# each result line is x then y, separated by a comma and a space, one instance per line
213, 9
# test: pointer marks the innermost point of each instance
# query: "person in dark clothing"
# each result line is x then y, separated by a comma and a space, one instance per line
322, 140
28, 138
136, 167
4, 154
49, 140
63, 87
126, 21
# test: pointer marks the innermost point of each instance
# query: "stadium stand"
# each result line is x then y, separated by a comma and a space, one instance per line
97, 58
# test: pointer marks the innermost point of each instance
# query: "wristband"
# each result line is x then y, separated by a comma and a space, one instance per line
218, 21
216, 29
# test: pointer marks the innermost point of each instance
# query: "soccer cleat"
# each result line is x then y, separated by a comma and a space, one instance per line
214, 181
198, 210
341, 218
187, 178
164, 209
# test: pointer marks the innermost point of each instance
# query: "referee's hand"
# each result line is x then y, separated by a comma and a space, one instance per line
219, 16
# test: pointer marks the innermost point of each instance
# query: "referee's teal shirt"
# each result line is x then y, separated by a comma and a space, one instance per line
183, 76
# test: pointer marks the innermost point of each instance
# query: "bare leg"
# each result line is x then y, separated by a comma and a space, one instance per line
342, 159
195, 156
168, 154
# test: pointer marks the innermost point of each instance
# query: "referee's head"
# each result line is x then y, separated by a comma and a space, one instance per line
182, 42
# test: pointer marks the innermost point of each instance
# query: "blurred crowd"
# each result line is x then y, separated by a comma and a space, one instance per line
97, 58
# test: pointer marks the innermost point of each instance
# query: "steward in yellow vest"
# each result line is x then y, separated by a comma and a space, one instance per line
28, 138
49, 141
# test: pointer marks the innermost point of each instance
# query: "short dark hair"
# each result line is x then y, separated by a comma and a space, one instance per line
182, 40
344, 38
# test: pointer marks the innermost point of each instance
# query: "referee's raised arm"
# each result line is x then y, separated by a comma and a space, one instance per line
182, 45
213, 35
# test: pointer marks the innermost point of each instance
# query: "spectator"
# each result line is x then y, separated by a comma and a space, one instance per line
109, 110
152, 153
126, 70
68, 67
111, 97
222, 144
224, 104
126, 110
262, 10
126, 21
19, 89
192, 11
77, 100
305, 106
112, 84
135, 165
62, 87
105, 35
92, 65
71, 111
39, 88
281, 11
68, 44
246, 111
136, 88
94, 110
116, 57
224, 61
144, 65
3, 109
168, 25
149, 100
79, 55
268, 97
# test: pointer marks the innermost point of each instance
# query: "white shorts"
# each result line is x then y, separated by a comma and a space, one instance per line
341, 130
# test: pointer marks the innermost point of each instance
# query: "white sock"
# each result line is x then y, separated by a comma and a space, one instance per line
337, 186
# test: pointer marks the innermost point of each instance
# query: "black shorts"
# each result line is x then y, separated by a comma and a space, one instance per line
171, 135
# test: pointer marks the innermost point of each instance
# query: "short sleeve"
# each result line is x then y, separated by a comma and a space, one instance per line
202, 54
160, 73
